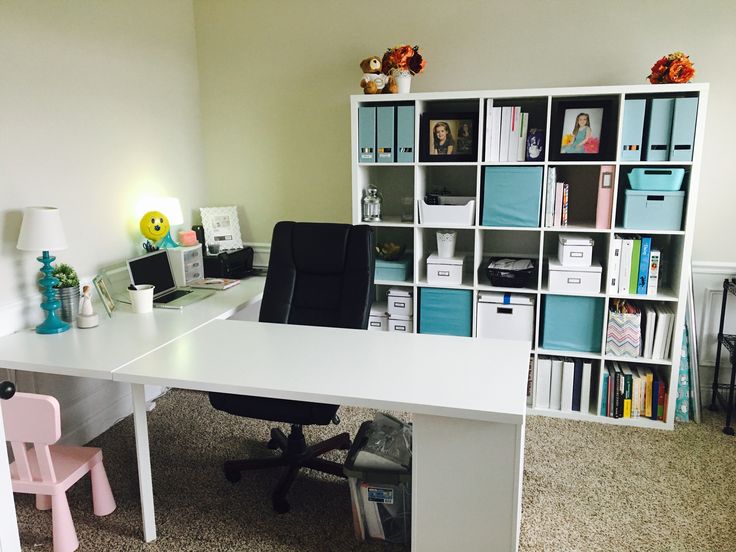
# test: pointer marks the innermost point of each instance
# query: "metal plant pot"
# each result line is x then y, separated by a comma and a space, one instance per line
69, 297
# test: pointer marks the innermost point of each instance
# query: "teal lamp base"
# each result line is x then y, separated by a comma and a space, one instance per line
53, 324
167, 243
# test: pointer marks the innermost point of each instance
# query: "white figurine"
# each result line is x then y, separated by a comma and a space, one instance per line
86, 317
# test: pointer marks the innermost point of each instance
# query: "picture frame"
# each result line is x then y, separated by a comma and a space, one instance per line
448, 137
583, 129
221, 228
103, 290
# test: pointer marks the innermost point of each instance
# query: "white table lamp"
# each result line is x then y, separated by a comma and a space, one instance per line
41, 230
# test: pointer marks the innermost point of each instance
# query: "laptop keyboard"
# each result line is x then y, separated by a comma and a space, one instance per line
169, 297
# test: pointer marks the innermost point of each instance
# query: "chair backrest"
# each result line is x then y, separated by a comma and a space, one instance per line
31, 418
319, 274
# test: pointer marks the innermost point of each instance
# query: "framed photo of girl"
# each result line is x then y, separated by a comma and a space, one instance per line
583, 129
449, 137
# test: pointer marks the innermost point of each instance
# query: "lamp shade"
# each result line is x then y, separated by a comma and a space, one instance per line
41, 230
169, 206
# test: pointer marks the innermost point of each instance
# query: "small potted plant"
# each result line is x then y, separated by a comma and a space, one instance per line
67, 291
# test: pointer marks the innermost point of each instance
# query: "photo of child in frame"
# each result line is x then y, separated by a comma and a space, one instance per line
451, 137
585, 131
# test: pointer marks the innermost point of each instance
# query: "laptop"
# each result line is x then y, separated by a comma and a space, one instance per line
154, 269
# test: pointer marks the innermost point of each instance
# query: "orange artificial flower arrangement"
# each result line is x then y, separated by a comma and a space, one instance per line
402, 58
674, 68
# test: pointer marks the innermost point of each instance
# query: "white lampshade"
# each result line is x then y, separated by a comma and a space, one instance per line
41, 230
169, 206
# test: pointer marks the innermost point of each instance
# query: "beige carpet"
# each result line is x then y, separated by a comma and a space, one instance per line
586, 487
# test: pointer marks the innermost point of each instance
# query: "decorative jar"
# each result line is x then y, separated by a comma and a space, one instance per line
372, 201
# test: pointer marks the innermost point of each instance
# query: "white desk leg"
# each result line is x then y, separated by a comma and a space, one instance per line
466, 484
145, 482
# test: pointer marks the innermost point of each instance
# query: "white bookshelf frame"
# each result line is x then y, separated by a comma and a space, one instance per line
680, 268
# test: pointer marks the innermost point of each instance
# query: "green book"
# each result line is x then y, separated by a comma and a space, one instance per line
634, 278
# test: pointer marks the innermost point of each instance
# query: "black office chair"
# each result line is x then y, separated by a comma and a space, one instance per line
319, 274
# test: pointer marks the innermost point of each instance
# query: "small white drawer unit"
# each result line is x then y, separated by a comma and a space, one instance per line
506, 316
445, 270
186, 264
378, 318
574, 279
401, 324
400, 302
575, 250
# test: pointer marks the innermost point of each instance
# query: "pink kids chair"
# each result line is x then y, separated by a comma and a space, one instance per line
48, 470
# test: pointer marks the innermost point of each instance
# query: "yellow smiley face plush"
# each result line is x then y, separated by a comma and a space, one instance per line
154, 225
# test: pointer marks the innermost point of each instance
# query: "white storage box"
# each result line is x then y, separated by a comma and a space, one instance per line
574, 279
186, 264
400, 302
378, 318
506, 316
401, 324
454, 215
574, 250
444, 271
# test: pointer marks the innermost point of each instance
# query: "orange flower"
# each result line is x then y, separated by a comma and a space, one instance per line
681, 71
402, 57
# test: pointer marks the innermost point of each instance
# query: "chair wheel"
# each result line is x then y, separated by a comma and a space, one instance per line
233, 476
272, 444
280, 505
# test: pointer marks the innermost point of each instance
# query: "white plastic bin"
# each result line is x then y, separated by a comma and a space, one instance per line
574, 279
401, 324
506, 316
451, 215
445, 271
574, 250
378, 318
400, 302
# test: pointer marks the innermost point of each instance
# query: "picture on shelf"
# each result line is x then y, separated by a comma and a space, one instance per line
448, 137
583, 129
104, 292
584, 125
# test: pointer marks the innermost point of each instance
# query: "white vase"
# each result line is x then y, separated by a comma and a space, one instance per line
403, 81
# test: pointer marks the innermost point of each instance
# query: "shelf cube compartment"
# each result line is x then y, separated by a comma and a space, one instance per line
445, 311
572, 323
512, 196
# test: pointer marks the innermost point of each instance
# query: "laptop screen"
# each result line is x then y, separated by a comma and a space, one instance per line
153, 269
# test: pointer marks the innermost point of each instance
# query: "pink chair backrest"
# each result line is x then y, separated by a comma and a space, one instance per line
31, 418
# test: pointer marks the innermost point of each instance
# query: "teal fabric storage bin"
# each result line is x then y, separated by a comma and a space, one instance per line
653, 210
572, 323
512, 196
445, 311
395, 271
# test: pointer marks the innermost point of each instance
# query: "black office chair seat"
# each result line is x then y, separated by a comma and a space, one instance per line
319, 274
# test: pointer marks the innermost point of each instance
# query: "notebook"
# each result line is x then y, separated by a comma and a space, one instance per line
214, 283
154, 269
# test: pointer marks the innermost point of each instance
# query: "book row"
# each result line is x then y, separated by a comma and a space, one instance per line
563, 384
632, 391
508, 136
635, 331
634, 266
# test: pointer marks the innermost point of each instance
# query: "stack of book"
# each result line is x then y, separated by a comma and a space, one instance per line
630, 391
563, 384
634, 266
659, 321
506, 132
557, 204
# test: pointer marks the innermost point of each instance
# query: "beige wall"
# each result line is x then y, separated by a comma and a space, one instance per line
99, 105
275, 84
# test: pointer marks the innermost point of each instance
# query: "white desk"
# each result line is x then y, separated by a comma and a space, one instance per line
468, 397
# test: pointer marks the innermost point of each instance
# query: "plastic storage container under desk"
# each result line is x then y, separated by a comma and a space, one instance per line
512, 196
572, 323
445, 311
506, 316
653, 210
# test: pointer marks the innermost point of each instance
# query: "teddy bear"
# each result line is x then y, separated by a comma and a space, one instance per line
373, 81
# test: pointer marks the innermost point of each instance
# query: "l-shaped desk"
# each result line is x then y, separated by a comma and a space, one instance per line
467, 395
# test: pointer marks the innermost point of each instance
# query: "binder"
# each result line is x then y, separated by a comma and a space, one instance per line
624, 273
496, 135
633, 130
634, 274
542, 383
568, 381
366, 134
559, 186
555, 389
577, 384
602, 406
489, 133
506, 116
549, 200
585, 387
604, 205
646, 246
653, 279
614, 265
660, 129
385, 134
683, 129
523, 129
405, 134
514, 133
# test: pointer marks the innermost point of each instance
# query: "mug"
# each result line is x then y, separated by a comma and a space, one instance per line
141, 298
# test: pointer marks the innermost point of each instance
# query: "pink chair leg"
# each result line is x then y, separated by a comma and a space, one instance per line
43, 502
103, 502
65, 537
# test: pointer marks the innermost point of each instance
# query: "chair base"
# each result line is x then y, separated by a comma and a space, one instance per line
295, 454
